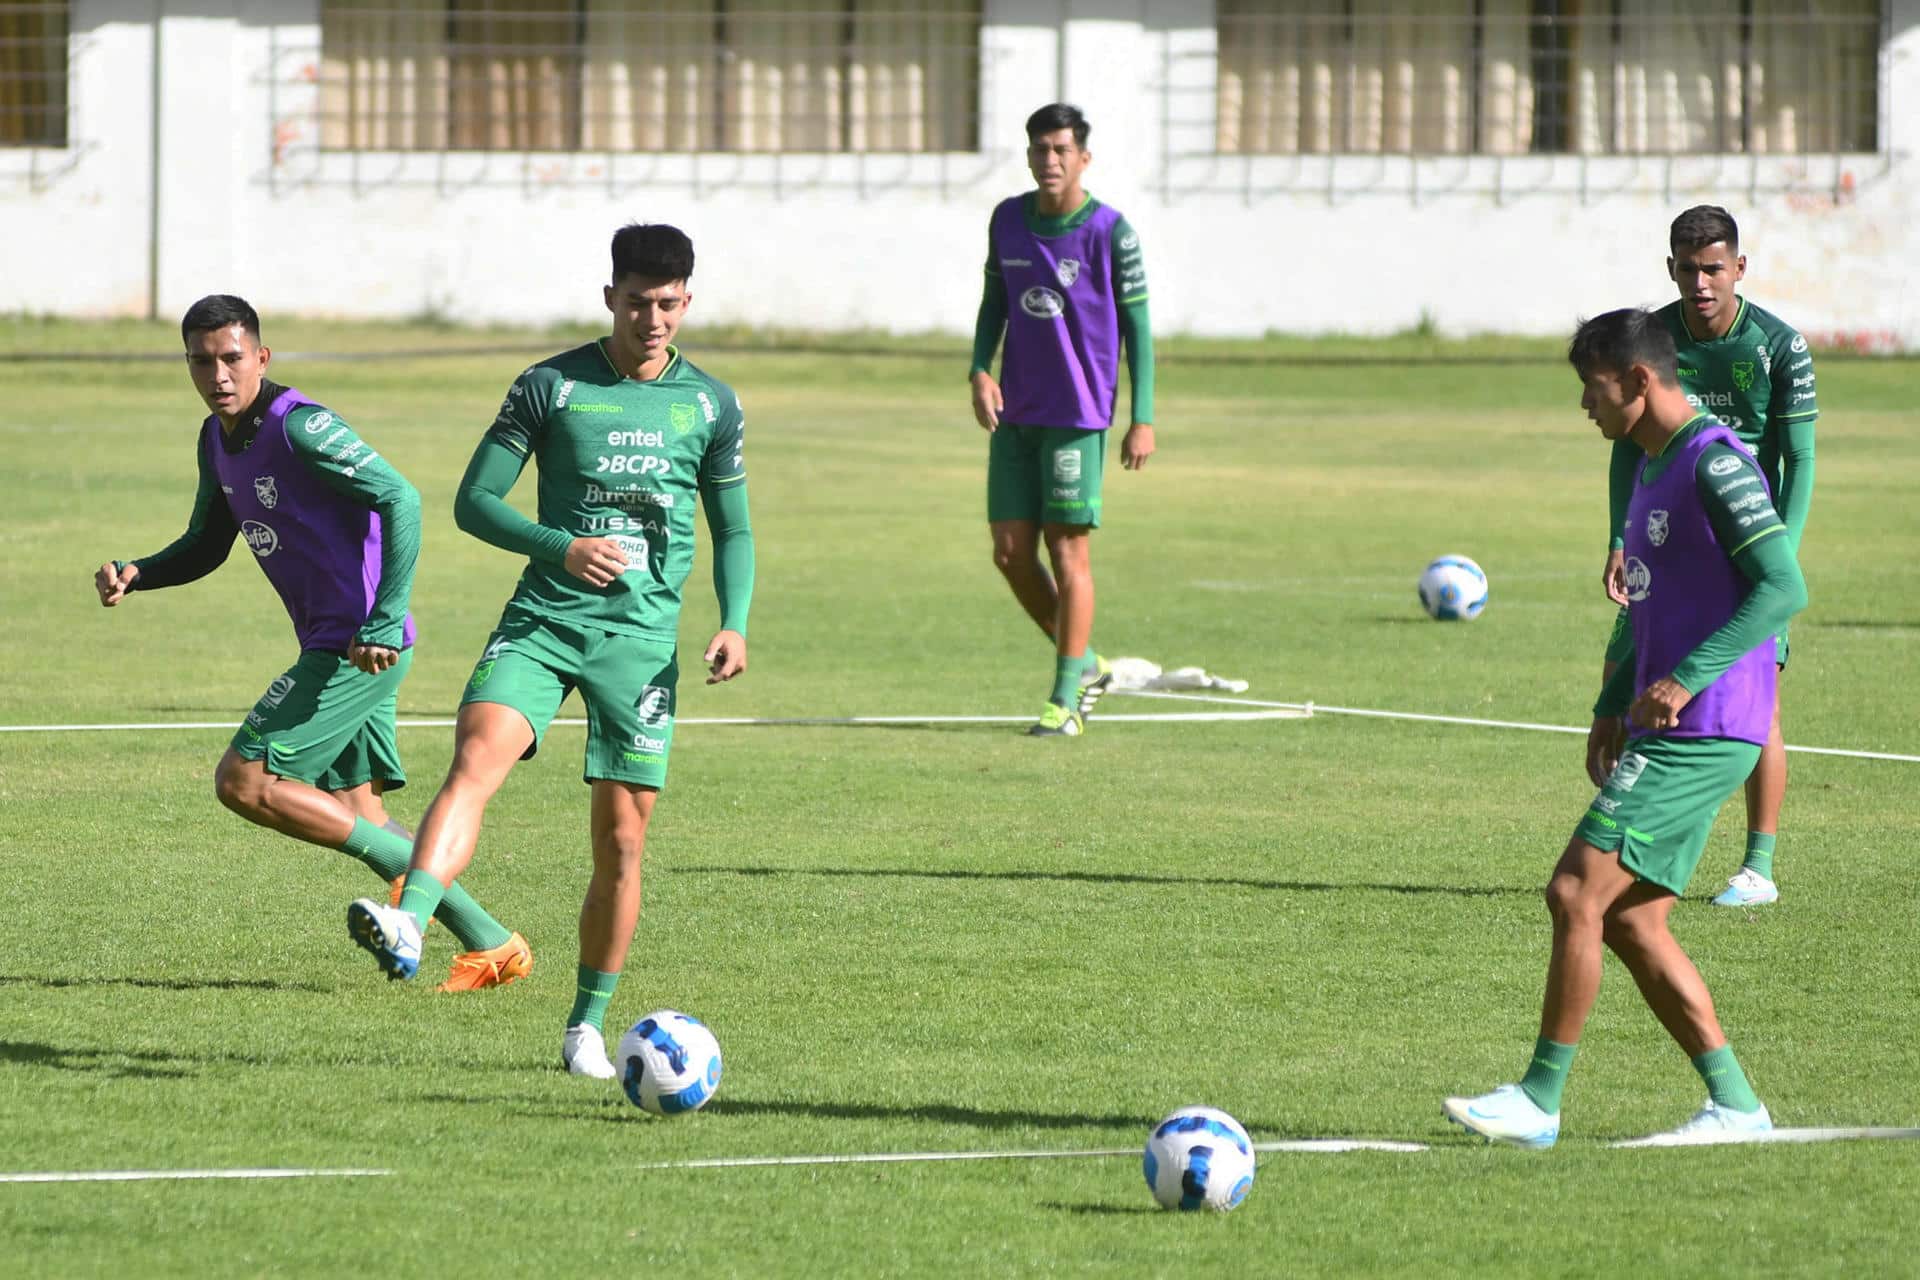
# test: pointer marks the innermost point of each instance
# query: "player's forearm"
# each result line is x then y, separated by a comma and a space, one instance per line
1136, 338
1779, 591
1616, 695
989, 324
188, 558
1620, 471
732, 537
399, 555
480, 508
1796, 479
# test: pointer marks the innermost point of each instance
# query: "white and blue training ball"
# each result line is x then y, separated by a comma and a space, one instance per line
669, 1063
1199, 1158
1453, 589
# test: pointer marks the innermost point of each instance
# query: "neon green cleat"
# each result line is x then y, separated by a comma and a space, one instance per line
1057, 721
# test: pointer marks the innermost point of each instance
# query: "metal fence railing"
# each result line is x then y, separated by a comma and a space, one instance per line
1554, 77
642, 76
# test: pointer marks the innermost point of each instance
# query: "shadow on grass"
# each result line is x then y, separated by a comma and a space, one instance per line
110, 1062
1122, 877
933, 1112
1103, 1210
161, 984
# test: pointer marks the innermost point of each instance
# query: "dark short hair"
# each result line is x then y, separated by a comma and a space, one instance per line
217, 311
653, 250
1618, 340
1056, 116
1702, 225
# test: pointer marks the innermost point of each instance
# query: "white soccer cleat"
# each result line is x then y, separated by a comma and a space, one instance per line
583, 1052
1505, 1115
1748, 888
1712, 1125
390, 934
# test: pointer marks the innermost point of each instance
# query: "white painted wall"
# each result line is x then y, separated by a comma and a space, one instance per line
1362, 245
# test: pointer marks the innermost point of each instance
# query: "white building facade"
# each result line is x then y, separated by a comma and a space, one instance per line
1305, 166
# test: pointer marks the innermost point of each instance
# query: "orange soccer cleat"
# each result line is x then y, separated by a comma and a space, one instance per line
496, 967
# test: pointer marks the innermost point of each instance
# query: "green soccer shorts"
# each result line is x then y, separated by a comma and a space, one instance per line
325, 722
1658, 804
1048, 475
627, 683
1620, 642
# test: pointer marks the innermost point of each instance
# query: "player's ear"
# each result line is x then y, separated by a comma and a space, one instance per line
1670, 274
266, 354
1740, 267
606, 296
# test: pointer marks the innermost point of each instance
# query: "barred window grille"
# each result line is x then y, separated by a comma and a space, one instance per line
644, 76
1514, 77
33, 74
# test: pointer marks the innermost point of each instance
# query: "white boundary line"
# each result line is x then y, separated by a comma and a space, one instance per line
1316, 1146
1771, 1135
1250, 709
188, 1175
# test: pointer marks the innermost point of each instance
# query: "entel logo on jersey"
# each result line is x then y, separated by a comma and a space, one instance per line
1042, 303
1723, 466
1639, 579
263, 489
263, 540
1657, 528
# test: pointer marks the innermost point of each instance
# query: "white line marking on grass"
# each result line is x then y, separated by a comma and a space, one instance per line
1316, 1146
1251, 709
1321, 708
188, 1175
1772, 1135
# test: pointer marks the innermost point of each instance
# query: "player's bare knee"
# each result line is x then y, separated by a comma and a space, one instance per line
1567, 901
240, 786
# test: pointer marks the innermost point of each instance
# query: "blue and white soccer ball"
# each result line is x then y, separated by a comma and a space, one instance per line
669, 1063
1453, 589
1199, 1158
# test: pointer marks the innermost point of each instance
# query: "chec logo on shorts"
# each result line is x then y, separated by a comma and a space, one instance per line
319, 422
1723, 466
1066, 467
655, 706
1657, 528
1628, 771
1067, 270
260, 537
277, 691
264, 489
1639, 579
1042, 303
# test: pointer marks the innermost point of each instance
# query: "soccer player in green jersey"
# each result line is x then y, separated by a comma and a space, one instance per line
336, 529
627, 435
1751, 370
1065, 282
1712, 577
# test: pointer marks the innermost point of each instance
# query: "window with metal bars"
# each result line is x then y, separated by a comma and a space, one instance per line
1517, 77
33, 74
641, 76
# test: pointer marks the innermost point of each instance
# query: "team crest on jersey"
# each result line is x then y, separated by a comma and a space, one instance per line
1067, 271
683, 417
263, 489
1657, 528
1042, 303
1639, 579
1743, 374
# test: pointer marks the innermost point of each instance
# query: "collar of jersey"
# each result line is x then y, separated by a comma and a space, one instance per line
673, 362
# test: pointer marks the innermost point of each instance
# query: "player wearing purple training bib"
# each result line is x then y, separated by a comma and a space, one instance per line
336, 530
1065, 282
1710, 571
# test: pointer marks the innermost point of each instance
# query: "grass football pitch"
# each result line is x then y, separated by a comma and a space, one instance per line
945, 937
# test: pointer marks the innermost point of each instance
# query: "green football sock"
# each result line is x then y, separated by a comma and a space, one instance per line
385, 852
1066, 678
388, 854
1726, 1082
1546, 1076
590, 1000
1759, 859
